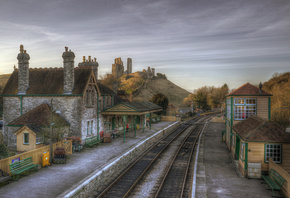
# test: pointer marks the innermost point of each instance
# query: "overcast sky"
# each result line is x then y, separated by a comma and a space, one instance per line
194, 42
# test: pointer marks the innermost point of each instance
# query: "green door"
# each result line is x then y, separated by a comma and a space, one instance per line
113, 123
237, 152
138, 120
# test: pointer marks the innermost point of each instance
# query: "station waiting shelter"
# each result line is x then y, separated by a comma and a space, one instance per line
132, 113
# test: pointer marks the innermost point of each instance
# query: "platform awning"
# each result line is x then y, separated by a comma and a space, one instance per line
136, 108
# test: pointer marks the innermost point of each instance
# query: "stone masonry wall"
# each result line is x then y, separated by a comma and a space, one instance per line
11, 110
98, 180
70, 108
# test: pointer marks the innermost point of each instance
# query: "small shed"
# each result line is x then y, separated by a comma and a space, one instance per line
33, 127
28, 139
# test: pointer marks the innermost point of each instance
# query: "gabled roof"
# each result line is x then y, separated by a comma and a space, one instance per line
39, 117
248, 90
24, 128
136, 108
258, 129
105, 90
48, 81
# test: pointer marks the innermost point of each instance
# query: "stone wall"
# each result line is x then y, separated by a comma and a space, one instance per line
98, 180
71, 108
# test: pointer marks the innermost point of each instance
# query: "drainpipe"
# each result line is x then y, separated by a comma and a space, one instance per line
98, 117
232, 117
21, 99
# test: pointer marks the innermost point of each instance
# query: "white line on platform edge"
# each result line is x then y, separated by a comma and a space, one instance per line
193, 191
108, 166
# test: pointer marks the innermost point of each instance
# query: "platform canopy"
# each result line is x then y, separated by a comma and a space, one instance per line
132, 108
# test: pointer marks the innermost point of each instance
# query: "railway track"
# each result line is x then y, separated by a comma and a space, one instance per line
123, 185
176, 176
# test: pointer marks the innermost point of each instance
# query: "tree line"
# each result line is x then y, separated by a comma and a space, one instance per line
207, 98
279, 87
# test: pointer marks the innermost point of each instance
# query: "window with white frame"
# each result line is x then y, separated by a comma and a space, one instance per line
92, 125
25, 138
244, 108
39, 139
273, 151
242, 151
88, 127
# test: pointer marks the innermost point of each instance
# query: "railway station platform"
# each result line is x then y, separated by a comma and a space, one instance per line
59, 180
216, 175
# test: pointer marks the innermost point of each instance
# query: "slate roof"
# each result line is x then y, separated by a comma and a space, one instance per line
142, 106
258, 129
50, 81
47, 81
105, 90
248, 90
39, 117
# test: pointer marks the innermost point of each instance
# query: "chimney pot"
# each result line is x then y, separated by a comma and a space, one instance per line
21, 48
66, 48
95, 59
84, 58
89, 58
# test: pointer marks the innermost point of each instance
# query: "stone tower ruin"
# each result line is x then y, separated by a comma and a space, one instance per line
23, 74
90, 63
69, 76
129, 65
118, 68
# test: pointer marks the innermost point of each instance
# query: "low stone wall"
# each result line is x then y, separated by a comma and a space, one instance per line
98, 180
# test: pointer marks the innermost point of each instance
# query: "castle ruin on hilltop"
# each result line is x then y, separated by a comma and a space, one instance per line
118, 69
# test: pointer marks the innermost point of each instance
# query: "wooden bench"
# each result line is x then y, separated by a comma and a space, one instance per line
4, 177
274, 180
23, 166
92, 141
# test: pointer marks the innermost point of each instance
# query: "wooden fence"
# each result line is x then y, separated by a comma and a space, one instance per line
284, 174
36, 154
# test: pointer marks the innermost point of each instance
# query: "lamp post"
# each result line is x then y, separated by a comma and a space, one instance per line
50, 129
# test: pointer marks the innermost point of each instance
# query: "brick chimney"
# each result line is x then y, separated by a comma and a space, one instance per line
69, 76
91, 63
23, 71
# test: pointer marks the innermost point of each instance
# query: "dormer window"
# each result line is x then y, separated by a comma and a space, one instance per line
244, 108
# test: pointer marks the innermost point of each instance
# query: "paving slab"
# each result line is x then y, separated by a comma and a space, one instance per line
58, 178
216, 175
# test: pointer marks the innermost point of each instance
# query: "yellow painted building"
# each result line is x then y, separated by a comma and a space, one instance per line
27, 139
242, 103
255, 141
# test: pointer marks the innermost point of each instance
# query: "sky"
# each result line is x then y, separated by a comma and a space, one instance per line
194, 42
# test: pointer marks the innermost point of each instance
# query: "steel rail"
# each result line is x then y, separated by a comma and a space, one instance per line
174, 159
142, 156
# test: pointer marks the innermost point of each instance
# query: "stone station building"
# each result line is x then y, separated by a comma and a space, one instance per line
73, 91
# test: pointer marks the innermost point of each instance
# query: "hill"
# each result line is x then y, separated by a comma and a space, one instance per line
279, 86
174, 93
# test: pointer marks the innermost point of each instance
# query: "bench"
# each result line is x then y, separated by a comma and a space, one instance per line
4, 177
274, 180
92, 141
23, 166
